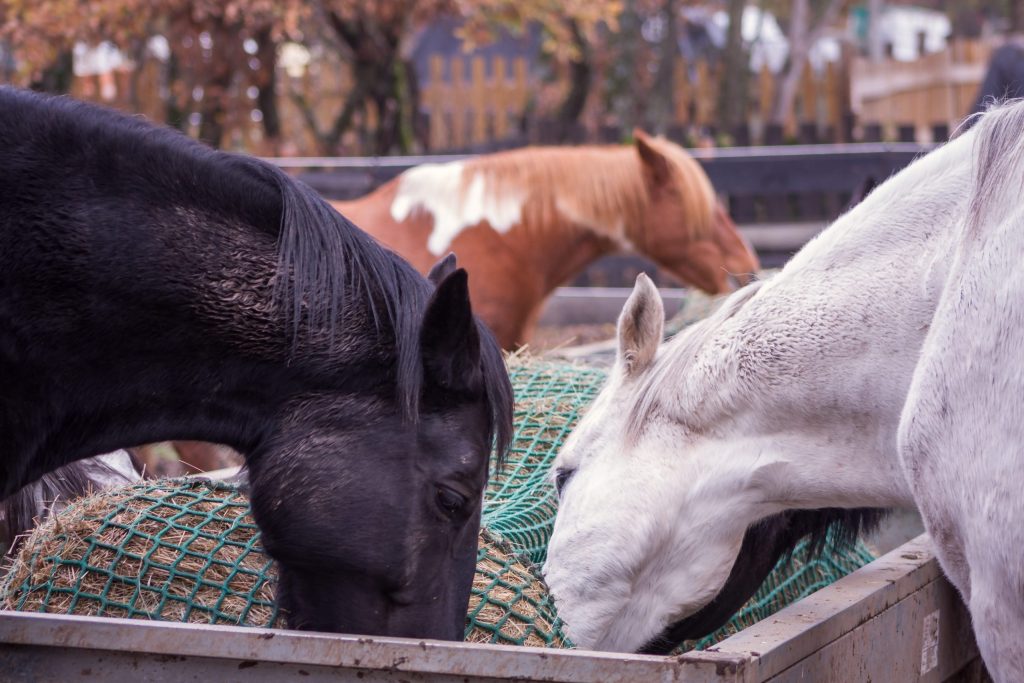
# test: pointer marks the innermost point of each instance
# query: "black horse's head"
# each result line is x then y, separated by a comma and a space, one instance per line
372, 516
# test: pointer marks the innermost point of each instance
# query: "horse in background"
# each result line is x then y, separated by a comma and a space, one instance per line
154, 289
881, 368
525, 221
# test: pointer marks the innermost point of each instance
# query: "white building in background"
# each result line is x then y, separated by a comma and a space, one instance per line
904, 27
908, 29
103, 60
764, 35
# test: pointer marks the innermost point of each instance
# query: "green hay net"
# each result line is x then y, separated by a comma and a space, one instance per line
198, 552
188, 550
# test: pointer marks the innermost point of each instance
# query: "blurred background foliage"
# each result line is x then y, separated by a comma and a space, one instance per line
328, 77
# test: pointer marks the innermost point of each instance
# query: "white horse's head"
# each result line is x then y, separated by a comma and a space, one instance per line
646, 511
703, 462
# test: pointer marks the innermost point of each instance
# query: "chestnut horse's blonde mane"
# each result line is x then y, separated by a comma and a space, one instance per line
600, 187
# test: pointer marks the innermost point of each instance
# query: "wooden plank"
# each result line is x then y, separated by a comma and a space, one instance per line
479, 92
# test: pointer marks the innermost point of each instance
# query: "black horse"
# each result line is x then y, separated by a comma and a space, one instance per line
153, 289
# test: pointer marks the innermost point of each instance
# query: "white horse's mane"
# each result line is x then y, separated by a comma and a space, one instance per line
676, 357
999, 150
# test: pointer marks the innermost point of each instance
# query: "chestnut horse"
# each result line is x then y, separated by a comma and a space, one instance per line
523, 222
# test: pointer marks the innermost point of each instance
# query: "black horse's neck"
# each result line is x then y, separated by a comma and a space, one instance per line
153, 289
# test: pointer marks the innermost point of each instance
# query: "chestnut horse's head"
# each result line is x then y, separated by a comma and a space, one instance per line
684, 228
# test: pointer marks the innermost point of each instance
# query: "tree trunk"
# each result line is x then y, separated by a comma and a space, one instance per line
801, 38
629, 97
175, 115
266, 86
663, 101
732, 103
581, 76
218, 80
797, 35
57, 77
381, 78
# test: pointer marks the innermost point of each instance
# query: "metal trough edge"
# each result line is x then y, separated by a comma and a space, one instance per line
54, 647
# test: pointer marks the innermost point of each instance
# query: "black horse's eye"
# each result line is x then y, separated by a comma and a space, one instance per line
562, 477
450, 502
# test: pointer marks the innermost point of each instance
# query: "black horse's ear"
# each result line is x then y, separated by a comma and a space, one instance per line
442, 269
449, 340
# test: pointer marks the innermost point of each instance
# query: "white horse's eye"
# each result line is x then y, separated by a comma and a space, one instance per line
562, 478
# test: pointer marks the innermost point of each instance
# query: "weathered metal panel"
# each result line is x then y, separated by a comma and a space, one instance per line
30, 643
879, 623
868, 626
925, 637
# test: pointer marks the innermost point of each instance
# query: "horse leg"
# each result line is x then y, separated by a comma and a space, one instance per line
969, 509
998, 617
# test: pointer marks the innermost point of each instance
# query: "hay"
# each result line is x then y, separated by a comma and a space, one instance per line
550, 399
510, 602
188, 551
114, 553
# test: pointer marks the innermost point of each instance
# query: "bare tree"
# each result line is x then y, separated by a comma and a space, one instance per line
732, 93
802, 36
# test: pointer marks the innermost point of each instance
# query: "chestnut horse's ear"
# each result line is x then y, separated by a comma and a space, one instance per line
655, 163
442, 269
449, 341
640, 326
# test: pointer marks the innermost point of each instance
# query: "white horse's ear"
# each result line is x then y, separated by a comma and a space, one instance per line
640, 326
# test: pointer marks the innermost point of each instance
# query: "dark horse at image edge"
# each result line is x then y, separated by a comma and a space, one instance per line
154, 289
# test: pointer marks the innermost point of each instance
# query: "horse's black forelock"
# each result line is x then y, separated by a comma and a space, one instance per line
764, 544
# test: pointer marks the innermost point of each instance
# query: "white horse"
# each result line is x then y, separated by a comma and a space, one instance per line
883, 367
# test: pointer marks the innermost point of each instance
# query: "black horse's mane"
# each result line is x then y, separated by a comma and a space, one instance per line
322, 257
764, 544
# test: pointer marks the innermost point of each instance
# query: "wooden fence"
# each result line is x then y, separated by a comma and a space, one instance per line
473, 102
467, 107
912, 100
818, 112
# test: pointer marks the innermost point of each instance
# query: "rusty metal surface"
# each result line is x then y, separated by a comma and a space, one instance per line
876, 624
28, 641
925, 637
879, 623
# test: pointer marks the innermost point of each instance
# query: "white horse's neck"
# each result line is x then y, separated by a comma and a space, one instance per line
805, 383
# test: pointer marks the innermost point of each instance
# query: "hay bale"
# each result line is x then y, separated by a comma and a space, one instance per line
188, 551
